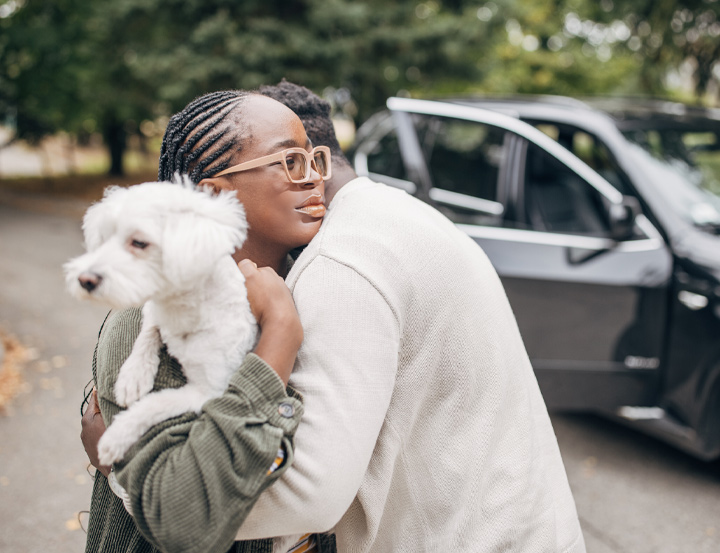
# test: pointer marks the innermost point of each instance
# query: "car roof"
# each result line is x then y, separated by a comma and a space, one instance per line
623, 113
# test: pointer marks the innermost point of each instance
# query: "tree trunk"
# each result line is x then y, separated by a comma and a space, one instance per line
115, 140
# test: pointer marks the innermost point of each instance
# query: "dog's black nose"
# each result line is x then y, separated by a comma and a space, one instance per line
89, 281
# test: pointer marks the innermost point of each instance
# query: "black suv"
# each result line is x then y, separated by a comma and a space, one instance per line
603, 220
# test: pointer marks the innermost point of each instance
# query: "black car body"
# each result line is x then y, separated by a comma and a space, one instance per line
605, 231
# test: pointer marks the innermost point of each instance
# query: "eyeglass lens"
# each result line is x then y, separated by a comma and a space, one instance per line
321, 163
298, 164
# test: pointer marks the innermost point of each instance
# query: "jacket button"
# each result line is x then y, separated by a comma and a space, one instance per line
286, 410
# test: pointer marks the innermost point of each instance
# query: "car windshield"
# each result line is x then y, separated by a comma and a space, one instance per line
684, 164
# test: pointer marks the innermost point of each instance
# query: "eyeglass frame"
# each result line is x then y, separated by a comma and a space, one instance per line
282, 157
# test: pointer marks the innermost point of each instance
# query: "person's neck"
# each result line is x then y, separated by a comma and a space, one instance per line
263, 257
342, 174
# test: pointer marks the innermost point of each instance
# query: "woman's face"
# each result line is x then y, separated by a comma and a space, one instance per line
273, 204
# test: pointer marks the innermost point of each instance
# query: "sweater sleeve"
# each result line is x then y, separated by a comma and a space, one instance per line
193, 479
346, 371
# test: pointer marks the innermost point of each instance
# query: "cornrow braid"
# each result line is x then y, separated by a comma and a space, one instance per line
199, 140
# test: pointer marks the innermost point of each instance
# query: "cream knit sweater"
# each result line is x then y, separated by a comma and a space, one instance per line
424, 429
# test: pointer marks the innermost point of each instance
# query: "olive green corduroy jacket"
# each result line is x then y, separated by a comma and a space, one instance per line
191, 489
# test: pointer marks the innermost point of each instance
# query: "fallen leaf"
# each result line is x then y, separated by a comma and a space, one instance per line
73, 524
11, 380
43, 366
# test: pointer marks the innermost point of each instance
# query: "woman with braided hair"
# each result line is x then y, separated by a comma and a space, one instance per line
223, 129
255, 146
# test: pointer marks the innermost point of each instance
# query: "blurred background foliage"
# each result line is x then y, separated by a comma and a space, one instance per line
121, 67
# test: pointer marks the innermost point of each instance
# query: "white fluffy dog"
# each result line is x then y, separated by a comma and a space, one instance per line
167, 247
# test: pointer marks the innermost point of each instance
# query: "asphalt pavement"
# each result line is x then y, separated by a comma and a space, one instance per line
43, 479
633, 494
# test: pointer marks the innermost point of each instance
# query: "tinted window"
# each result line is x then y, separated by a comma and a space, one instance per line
591, 150
464, 159
684, 166
384, 158
704, 148
559, 200
462, 156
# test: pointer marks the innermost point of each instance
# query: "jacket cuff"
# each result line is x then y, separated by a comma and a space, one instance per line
263, 387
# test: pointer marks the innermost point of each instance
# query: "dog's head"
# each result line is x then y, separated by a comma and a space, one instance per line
153, 240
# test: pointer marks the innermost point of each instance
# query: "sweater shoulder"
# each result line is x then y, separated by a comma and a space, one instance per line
387, 223
384, 234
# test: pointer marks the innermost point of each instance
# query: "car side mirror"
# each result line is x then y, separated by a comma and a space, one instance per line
622, 218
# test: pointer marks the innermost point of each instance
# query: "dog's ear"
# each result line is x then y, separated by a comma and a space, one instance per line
196, 239
101, 218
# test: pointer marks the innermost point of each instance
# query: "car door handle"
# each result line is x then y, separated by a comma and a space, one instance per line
692, 300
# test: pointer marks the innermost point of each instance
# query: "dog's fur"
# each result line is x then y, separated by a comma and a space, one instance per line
193, 296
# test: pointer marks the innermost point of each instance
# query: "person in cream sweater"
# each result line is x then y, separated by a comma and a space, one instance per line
424, 429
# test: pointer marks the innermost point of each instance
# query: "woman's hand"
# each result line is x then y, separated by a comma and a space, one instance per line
93, 427
272, 305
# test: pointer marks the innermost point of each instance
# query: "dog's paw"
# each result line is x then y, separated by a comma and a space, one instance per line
133, 382
112, 447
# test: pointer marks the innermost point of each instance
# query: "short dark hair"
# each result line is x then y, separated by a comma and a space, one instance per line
313, 111
200, 140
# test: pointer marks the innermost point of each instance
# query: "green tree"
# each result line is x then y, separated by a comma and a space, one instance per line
79, 66
636, 43
106, 65
62, 67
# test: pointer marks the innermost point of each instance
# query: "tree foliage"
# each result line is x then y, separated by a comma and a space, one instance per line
107, 65
622, 46
62, 68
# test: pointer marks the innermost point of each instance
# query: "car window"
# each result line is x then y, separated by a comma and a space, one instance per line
462, 156
558, 200
704, 148
385, 158
464, 159
591, 150
695, 150
684, 166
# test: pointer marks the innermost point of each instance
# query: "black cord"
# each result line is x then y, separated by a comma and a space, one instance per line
86, 397
80, 522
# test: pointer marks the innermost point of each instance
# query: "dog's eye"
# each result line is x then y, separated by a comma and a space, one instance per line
139, 244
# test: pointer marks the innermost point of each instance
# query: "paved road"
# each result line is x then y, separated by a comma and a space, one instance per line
634, 495
43, 478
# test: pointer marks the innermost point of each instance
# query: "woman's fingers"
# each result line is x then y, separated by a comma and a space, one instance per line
269, 297
247, 267
93, 427
274, 309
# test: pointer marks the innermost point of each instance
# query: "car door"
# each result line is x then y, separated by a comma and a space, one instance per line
591, 310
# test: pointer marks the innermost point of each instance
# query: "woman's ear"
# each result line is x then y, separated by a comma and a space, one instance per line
216, 184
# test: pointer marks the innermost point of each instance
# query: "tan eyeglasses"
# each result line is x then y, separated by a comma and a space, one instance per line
295, 161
